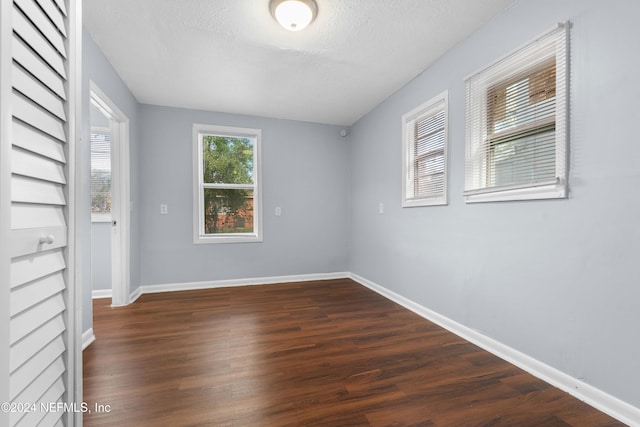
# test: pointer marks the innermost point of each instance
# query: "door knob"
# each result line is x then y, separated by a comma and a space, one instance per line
47, 239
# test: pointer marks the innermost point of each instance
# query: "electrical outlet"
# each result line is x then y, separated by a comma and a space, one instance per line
164, 209
278, 211
380, 208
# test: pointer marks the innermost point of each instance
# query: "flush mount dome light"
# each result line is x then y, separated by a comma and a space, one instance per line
294, 15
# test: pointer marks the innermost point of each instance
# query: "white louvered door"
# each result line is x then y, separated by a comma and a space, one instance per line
37, 123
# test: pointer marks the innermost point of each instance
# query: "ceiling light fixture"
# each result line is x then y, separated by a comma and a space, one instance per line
294, 15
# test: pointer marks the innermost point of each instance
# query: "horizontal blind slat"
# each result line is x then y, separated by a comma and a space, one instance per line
30, 113
29, 268
28, 190
36, 141
26, 322
24, 349
53, 418
49, 377
43, 24
33, 89
27, 164
38, 43
30, 370
27, 215
36, 418
26, 57
54, 14
38, 290
61, 6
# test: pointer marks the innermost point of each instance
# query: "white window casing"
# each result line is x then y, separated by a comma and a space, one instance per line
517, 123
424, 153
254, 230
100, 180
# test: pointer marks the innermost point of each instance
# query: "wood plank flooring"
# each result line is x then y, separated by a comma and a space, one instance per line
326, 353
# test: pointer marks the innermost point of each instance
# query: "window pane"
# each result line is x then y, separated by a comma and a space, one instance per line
424, 151
522, 160
228, 211
516, 122
100, 173
227, 160
429, 176
431, 143
429, 125
522, 102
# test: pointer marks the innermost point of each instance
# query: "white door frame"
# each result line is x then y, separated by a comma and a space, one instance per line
74, 272
5, 201
120, 202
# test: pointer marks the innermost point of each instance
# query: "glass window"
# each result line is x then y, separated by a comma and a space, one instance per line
227, 166
100, 174
425, 154
517, 124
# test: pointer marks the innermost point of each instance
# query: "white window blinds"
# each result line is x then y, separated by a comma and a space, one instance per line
517, 124
425, 154
100, 175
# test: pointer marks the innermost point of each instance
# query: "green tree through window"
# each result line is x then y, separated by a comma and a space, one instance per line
228, 167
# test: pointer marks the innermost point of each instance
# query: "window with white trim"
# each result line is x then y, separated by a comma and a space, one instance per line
424, 153
227, 196
516, 146
100, 182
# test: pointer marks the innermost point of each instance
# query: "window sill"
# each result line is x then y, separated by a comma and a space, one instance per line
414, 203
549, 191
227, 238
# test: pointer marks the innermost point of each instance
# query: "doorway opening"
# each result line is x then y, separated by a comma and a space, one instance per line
110, 206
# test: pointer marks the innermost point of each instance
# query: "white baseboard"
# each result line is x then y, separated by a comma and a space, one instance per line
171, 287
135, 295
107, 293
101, 293
593, 396
87, 338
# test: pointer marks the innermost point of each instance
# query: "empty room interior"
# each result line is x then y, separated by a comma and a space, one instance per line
405, 213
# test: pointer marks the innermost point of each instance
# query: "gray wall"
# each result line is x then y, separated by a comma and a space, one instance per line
96, 67
557, 280
304, 171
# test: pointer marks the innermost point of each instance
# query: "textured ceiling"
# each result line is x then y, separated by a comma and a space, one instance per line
231, 56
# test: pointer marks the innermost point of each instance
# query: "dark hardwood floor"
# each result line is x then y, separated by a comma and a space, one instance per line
326, 353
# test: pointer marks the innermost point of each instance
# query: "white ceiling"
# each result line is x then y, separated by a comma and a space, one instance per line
231, 56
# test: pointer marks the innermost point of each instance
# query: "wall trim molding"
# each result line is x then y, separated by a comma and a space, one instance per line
137, 293
87, 338
589, 394
171, 287
101, 293
190, 286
